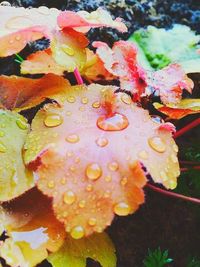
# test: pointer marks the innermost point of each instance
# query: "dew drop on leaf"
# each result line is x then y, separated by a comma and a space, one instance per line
77, 232
157, 144
53, 120
117, 122
69, 197
122, 209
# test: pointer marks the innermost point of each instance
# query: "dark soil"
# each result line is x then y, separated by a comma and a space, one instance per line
169, 223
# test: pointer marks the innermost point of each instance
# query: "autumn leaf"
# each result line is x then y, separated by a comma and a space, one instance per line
15, 179
75, 252
82, 20
32, 229
183, 108
79, 165
21, 93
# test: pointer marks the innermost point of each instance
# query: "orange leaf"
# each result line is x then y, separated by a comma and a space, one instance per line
88, 153
23, 93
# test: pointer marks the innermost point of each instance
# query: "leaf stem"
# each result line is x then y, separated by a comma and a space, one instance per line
78, 76
184, 169
172, 194
188, 127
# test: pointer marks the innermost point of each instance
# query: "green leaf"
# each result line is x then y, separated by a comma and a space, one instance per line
15, 179
157, 258
75, 252
160, 47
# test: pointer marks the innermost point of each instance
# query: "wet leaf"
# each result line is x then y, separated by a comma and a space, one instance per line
79, 165
75, 252
159, 47
32, 229
184, 108
82, 20
22, 93
15, 179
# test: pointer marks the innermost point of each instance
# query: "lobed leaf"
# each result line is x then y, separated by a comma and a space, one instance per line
72, 148
75, 252
15, 178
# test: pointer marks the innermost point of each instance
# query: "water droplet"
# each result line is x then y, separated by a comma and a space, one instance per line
63, 181
51, 184
82, 204
174, 158
96, 104
77, 160
53, 120
2, 133
108, 178
70, 154
93, 171
69, 197
5, 3
163, 176
84, 100
68, 50
124, 181
77, 232
92, 221
157, 119
126, 99
2, 148
43, 10
102, 142
68, 113
113, 166
107, 194
175, 148
82, 108
122, 209
143, 154
71, 99
72, 138
18, 22
173, 184
157, 144
117, 122
21, 123
89, 188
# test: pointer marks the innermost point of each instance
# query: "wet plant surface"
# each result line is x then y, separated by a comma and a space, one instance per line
161, 222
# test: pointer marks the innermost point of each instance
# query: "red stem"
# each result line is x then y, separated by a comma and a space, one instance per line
188, 127
78, 76
172, 194
184, 169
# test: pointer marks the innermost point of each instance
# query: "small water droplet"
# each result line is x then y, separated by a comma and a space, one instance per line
21, 123
157, 119
63, 181
113, 166
82, 108
69, 197
126, 99
92, 221
93, 171
101, 142
96, 104
18, 38
82, 204
68, 50
124, 181
143, 154
117, 122
71, 99
72, 138
84, 100
77, 232
108, 178
43, 10
174, 158
53, 120
2, 133
173, 184
107, 194
89, 188
2, 148
163, 176
175, 148
68, 113
122, 209
157, 144
51, 184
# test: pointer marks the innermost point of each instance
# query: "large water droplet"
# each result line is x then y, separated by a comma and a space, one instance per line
93, 171
77, 232
122, 209
157, 144
21, 123
53, 120
117, 122
69, 197
101, 142
72, 138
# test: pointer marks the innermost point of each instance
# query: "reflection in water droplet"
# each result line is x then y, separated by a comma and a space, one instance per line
2, 148
69, 197
101, 142
21, 123
72, 138
77, 232
93, 171
157, 144
53, 120
92, 221
68, 50
113, 166
18, 22
117, 122
157, 119
122, 209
